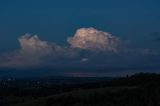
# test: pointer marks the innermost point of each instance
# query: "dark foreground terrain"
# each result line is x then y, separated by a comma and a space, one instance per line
138, 90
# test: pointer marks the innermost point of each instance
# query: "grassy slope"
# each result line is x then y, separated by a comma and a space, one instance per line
143, 90
77, 96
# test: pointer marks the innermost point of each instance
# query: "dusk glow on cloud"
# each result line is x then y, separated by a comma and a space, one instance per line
87, 47
94, 40
80, 36
32, 44
34, 52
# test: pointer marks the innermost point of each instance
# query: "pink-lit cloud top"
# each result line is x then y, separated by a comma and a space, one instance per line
89, 47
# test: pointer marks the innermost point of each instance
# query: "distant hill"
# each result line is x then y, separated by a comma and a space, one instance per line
79, 97
141, 89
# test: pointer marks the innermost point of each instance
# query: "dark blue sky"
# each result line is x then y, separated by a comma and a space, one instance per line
133, 20
136, 22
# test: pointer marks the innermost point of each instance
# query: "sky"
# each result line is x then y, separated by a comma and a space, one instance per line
79, 37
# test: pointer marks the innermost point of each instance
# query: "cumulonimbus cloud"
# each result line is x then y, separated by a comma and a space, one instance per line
94, 40
33, 45
35, 52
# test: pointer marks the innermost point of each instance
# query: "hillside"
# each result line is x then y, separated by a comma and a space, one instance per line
137, 90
